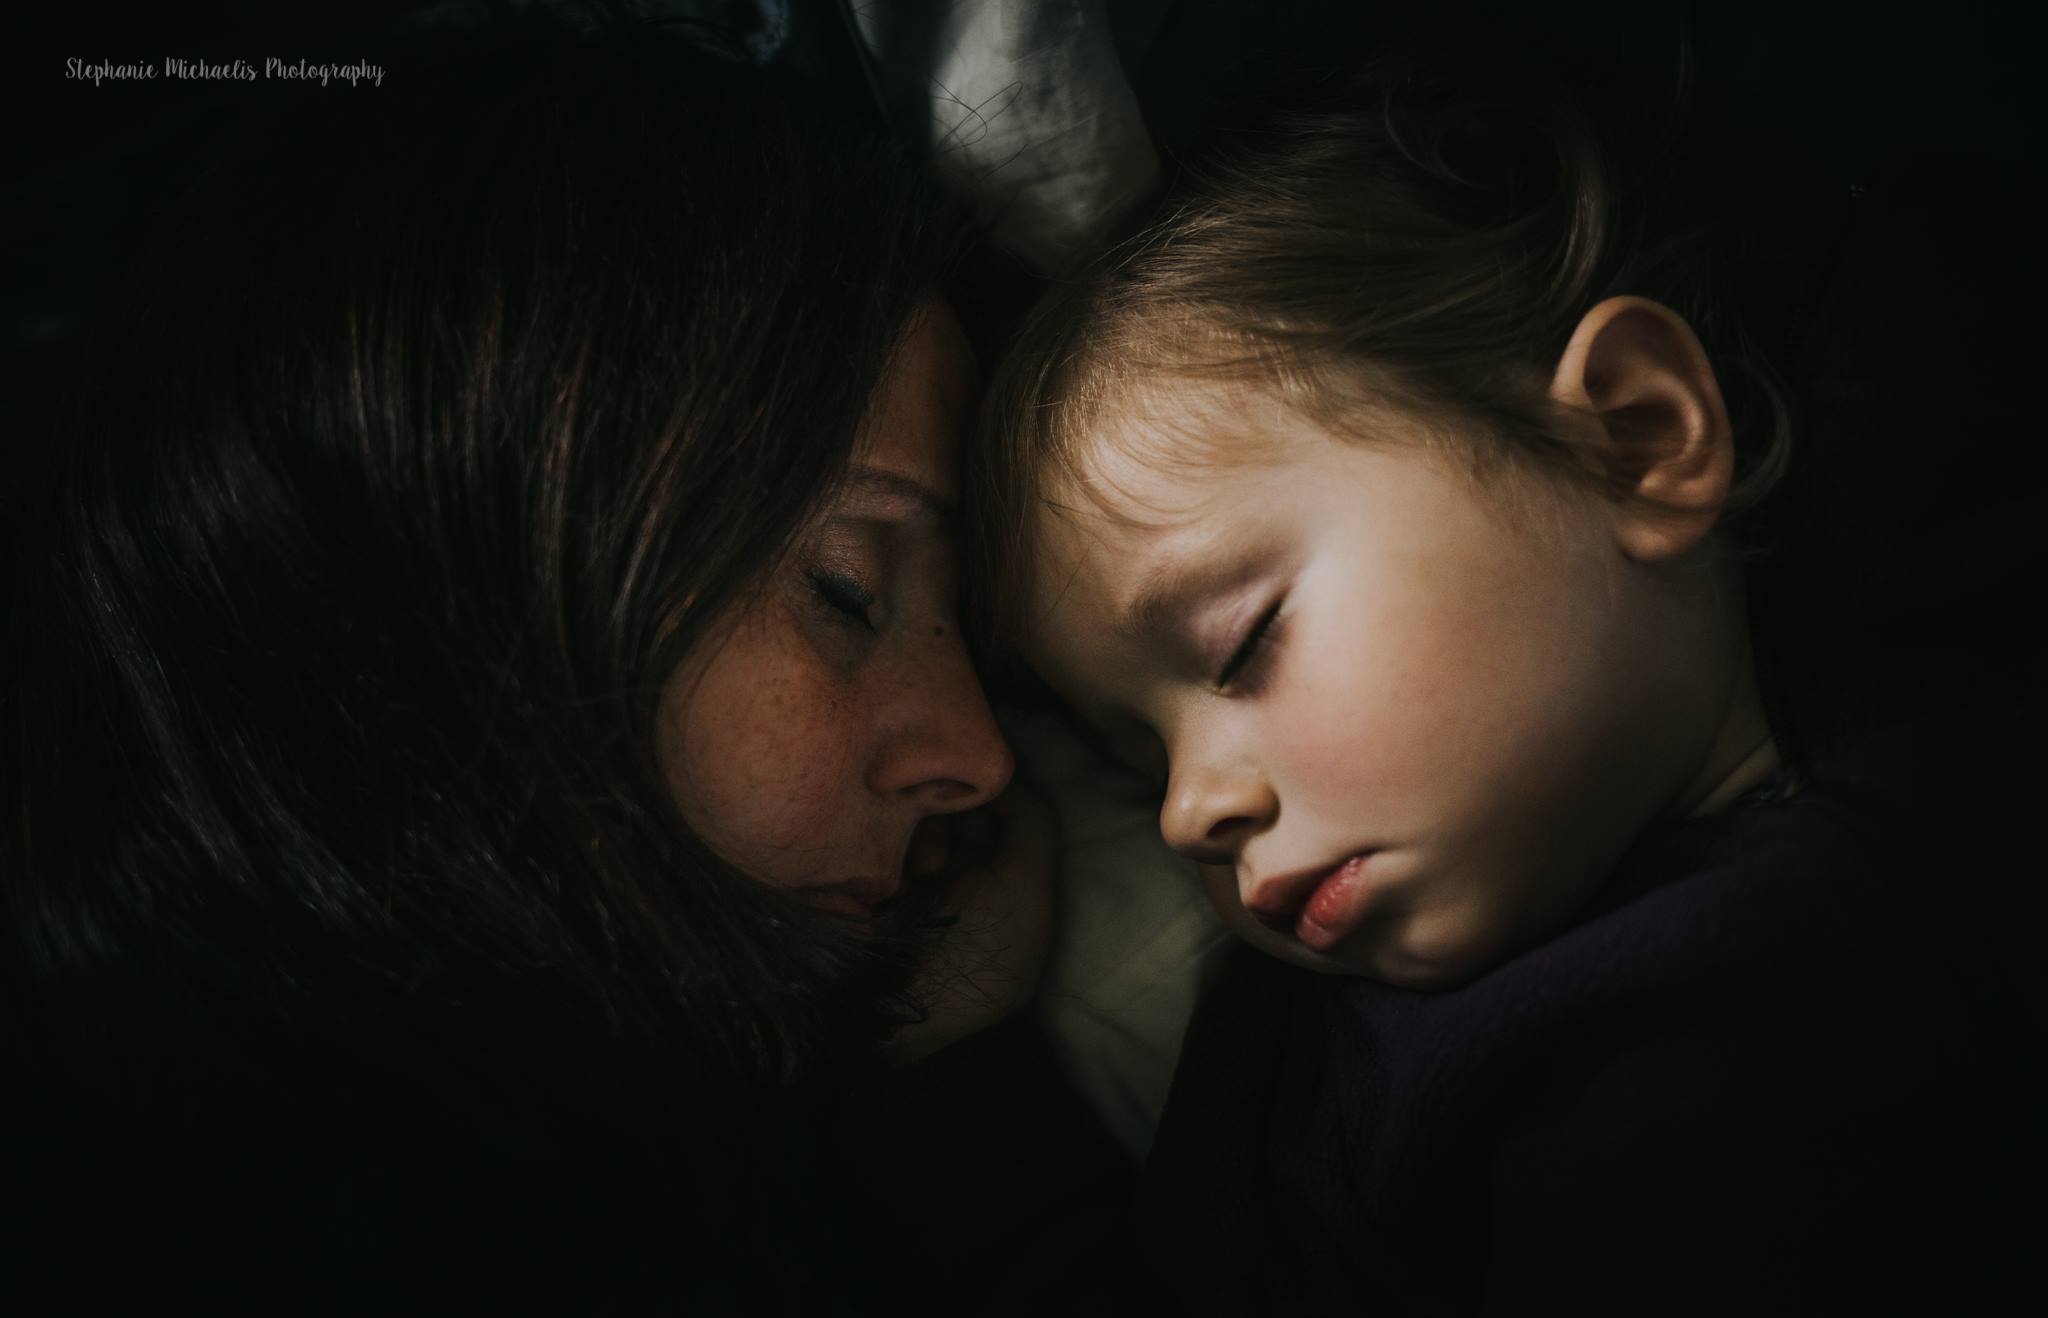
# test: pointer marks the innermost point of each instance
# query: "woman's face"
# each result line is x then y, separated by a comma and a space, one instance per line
821, 739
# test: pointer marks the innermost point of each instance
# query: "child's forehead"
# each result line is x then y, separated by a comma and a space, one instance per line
1155, 452
1147, 486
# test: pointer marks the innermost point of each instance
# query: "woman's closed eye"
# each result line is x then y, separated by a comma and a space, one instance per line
1242, 670
845, 595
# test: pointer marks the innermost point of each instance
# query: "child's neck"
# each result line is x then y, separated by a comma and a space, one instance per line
1761, 762
1743, 752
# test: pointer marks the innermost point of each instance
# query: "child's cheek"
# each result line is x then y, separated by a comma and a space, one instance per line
1381, 701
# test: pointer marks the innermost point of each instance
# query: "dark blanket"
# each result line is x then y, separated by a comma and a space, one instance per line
1789, 1062
1768, 1075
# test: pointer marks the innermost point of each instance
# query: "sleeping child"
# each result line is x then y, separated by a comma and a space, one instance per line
1397, 497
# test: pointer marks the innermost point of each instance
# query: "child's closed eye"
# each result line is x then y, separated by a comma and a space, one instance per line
1242, 670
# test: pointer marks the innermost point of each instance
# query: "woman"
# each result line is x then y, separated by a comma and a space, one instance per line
488, 719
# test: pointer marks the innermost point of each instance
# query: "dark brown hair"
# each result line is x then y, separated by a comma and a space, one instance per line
1427, 244
439, 424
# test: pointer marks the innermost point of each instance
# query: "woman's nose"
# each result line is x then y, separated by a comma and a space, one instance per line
943, 750
1210, 813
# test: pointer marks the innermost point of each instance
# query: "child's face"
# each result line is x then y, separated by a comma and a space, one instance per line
1404, 732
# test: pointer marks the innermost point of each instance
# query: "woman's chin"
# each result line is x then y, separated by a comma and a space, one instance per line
841, 903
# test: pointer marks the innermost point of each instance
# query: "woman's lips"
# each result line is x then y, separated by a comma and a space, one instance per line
1322, 906
931, 846
925, 855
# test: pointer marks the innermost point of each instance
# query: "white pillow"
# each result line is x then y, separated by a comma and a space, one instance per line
1135, 936
1030, 113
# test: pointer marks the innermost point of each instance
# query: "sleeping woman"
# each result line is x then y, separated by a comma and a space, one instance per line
491, 759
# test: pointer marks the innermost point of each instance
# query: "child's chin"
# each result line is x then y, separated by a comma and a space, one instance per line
1444, 967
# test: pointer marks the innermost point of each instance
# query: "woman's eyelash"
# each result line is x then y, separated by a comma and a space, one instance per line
845, 595
1249, 647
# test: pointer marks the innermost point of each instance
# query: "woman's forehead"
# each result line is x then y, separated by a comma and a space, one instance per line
921, 403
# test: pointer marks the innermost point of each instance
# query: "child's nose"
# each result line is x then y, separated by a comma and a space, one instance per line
1210, 814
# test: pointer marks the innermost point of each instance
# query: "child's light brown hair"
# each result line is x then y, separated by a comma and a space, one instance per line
1428, 245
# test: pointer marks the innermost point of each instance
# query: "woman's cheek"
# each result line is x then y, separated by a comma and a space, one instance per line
762, 757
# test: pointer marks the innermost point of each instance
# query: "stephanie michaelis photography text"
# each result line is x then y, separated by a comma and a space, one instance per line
104, 71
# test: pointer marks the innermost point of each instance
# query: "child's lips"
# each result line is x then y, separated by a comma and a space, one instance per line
1337, 906
1322, 906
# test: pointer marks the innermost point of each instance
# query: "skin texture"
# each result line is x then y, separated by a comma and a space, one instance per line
1484, 705
822, 742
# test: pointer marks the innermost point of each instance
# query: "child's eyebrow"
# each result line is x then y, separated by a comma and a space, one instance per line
1170, 591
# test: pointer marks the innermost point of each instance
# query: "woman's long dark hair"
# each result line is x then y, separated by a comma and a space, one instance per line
444, 418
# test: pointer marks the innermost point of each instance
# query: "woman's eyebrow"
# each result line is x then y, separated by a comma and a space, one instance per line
891, 485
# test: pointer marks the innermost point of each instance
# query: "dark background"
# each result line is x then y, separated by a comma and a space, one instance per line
1819, 96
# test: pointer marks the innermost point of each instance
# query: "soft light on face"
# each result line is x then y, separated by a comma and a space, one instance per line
839, 718
1404, 732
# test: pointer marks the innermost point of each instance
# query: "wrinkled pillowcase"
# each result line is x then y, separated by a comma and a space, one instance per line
1135, 937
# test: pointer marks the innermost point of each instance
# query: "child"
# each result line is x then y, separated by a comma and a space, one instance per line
1388, 497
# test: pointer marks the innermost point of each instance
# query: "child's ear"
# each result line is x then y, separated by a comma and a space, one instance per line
1638, 370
